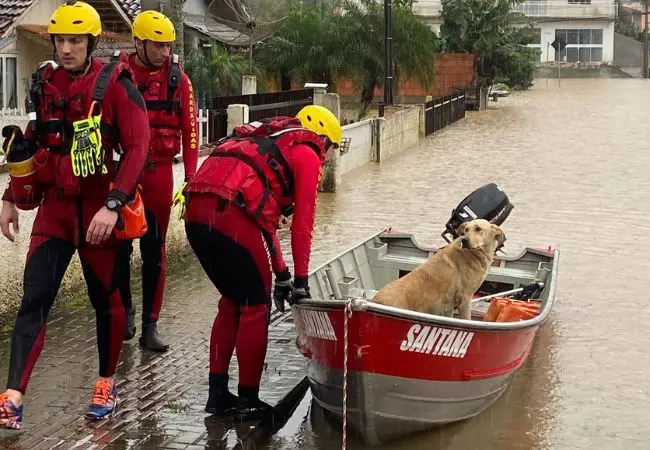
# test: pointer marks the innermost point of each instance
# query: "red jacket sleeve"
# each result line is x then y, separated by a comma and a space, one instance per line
126, 109
306, 172
277, 259
189, 128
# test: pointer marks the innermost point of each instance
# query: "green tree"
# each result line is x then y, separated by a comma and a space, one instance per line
216, 73
626, 27
414, 46
346, 39
307, 47
487, 29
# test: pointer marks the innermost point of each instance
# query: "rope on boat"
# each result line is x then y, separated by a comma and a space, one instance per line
346, 315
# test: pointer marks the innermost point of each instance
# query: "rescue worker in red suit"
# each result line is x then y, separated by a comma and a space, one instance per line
63, 166
167, 92
234, 205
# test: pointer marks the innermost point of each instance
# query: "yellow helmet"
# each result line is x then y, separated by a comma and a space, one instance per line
75, 17
321, 121
153, 26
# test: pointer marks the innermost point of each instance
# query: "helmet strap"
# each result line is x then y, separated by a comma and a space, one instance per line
146, 59
328, 143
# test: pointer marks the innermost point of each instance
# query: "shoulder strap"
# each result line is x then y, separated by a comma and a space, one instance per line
174, 79
39, 77
101, 83
267, 145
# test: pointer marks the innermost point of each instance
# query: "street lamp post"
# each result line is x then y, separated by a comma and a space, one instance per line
388, 64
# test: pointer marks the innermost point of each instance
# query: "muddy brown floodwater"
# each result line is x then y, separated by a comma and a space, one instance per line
575, 161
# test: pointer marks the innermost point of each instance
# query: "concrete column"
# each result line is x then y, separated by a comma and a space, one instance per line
248, 84
332, 102
423, 118
483, 98
237, 115
319, 96
320, 89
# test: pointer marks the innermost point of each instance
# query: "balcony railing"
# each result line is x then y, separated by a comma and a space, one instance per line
569, 9
427, 8
560, 9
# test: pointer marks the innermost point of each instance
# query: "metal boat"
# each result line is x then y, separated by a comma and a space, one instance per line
396, 372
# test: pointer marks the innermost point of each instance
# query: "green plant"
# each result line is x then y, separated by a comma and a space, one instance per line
308, 47
217, 72
626, 27
487, 30
346, 39
414, 46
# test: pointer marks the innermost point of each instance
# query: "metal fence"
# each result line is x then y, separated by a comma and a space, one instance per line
444, 110
259, 106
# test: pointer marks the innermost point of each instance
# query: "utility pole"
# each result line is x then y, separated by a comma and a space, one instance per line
645, 41
388, 64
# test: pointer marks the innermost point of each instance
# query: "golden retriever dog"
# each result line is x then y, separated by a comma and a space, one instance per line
450, 277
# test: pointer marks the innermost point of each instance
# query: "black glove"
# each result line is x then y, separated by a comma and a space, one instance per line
283, 290
21, 148
301, 288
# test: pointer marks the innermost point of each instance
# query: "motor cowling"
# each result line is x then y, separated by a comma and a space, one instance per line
488, 202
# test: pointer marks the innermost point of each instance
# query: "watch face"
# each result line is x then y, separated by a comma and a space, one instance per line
112, 204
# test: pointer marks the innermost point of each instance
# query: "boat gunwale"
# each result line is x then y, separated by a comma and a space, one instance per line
363, 305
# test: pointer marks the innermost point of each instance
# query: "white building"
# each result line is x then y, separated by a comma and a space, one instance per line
587, 26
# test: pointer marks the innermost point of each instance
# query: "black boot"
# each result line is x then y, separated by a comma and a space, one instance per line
130, 330
249, 406
221, 402
151, 340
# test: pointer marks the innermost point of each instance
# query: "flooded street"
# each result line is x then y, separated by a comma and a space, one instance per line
575, 162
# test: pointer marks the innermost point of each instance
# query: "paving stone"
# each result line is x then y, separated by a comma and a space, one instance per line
162, 396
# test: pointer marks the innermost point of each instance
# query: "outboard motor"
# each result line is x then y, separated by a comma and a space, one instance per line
488, 202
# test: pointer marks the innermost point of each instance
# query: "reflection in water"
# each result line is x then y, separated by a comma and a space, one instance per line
574, 161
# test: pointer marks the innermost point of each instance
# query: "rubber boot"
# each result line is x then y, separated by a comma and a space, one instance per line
249, 405
221, 402
151, 340
130, 330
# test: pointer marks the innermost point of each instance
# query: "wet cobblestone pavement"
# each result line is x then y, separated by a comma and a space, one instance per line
162, 396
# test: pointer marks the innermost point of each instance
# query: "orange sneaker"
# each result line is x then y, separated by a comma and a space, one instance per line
11, 416
104, 400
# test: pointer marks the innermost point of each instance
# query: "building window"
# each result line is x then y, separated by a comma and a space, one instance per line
532, 8
579, 2
582, 45
8, 82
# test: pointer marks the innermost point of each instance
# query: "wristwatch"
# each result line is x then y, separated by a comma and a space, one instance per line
114, 204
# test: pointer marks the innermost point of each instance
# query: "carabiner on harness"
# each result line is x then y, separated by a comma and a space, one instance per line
87, 151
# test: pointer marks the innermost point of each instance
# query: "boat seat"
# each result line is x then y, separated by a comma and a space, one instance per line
507, 275
511, 275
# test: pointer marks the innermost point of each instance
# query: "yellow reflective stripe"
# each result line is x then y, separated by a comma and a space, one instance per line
22, 168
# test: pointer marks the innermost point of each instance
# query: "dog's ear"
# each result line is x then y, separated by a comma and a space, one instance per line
499, 235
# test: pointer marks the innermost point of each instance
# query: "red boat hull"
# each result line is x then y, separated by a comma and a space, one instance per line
399, 347
405, 376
